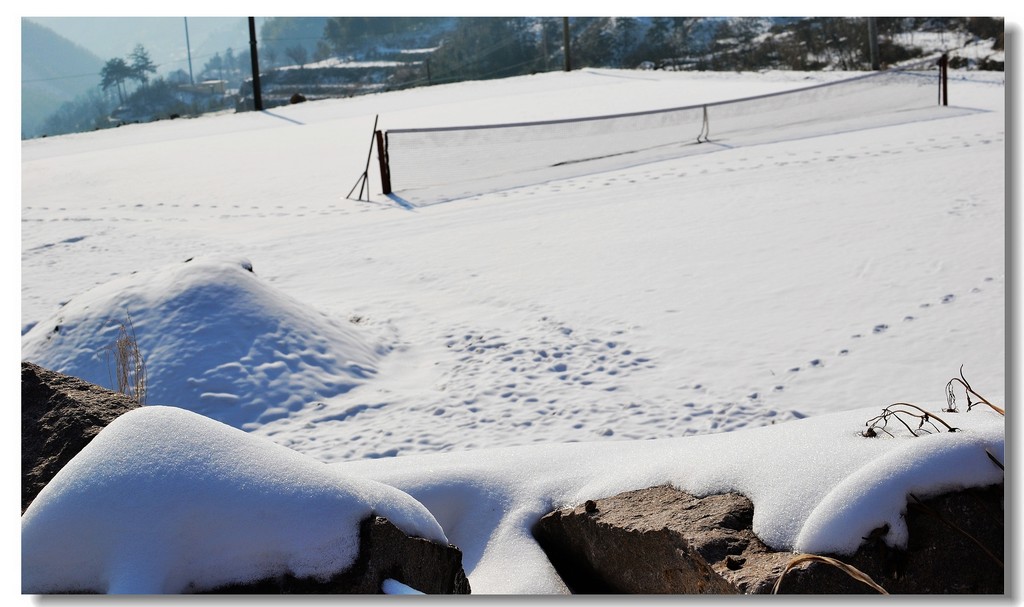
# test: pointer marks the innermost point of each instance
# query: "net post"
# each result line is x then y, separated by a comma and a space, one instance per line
705, 128
382, 157
944, 78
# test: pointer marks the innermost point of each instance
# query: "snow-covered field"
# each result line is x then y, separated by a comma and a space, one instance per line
717, 294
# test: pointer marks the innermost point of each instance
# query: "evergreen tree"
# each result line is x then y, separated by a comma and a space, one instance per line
593, 43
279, 33
351, 35
214, 68
86, 113
114, 74
298, 54
322, 51
485, 47
656, 45
141, 65
627, 37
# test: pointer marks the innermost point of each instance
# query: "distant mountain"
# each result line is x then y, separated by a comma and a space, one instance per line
54, 70
163, 37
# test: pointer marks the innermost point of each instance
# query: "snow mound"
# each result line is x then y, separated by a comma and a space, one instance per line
167, 501
216, 340
817, 485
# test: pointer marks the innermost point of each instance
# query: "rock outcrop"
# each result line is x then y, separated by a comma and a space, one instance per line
60, 414
385, 552
661, 540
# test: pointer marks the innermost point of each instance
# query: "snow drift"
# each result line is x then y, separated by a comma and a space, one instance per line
164, 500
216, 338
817, 485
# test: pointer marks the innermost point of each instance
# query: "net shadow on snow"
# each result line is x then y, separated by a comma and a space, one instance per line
402, 202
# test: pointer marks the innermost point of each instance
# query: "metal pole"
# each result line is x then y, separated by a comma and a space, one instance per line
366, 171
188, 48
364, 179
565, 44
256, 97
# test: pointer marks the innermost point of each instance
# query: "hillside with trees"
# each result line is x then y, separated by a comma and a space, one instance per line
309, 58
53, 71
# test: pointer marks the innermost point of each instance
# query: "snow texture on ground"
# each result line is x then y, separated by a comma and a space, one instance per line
681, 300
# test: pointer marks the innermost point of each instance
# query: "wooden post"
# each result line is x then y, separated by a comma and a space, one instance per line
944, 77
385, 169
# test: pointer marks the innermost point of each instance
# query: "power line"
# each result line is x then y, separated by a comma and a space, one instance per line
167, 64
30, 80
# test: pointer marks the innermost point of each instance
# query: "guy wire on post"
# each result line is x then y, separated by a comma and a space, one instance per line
364, 180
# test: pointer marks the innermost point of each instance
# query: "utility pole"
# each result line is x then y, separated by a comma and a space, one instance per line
565, 44
188, 48
256, 97
873, 43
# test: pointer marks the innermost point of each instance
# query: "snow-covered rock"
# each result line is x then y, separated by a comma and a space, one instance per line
167, 501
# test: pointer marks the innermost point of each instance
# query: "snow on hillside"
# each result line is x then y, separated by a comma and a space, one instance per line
957, 44
733, 291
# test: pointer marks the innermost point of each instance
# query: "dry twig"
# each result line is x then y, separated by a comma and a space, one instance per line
951, 396
129, 368
901, 412
849, 570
